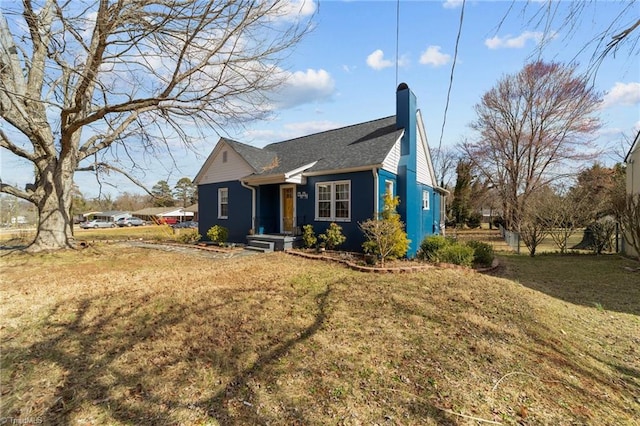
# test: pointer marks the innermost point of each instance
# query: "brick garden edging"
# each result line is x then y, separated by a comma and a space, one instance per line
388, 270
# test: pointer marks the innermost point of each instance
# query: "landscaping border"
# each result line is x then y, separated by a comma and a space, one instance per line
388, 270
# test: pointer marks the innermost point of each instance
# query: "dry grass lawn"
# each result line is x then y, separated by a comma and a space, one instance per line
119, 335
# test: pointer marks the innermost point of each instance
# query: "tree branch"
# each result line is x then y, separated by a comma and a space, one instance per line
99, 166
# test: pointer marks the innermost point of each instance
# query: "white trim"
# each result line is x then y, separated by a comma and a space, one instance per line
332, 200
376, 189
215, 171
299, 170
293, 190
388, 187
253, 204
220, 191
339, 171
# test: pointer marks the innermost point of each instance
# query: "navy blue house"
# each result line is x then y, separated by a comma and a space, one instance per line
337, 176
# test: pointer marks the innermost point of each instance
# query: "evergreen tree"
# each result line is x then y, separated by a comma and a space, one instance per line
162, 196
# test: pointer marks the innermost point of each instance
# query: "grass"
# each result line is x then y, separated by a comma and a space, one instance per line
21, 237
118, 335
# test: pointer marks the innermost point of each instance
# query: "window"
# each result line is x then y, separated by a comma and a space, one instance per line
223, 203
425, 200
224, 156
388, 187
333, 201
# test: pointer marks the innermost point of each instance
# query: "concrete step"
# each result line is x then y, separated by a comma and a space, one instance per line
263, 246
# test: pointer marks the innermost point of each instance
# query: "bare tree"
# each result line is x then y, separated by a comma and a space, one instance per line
534, 226
531, 126
444, 162
80, 79
618, 35
564, 212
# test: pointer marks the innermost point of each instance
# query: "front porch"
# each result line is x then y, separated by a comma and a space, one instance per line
273, 242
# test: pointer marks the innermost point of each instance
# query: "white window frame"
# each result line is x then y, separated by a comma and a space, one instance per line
332, 199
425, 199
388, 187
222, 191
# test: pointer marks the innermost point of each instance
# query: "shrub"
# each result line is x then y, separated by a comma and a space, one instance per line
482, 253
439, 249
430, 247
218, 234
309, 236
456, 253
333, 236
189, 237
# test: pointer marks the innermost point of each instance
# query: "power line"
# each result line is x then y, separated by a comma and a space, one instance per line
397, 37
453, 67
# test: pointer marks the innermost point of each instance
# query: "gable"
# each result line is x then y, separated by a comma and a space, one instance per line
392, 159
424, 168
224, 164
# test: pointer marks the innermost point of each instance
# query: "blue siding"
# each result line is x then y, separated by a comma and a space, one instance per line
362, 206
239, 218
268, 211
408, 188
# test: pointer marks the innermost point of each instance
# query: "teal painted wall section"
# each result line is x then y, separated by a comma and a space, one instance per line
408, 190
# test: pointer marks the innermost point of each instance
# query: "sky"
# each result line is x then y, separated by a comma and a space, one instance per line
347, 69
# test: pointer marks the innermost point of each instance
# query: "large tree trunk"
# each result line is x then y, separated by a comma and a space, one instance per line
55, 222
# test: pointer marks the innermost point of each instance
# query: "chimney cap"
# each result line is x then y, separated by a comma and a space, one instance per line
402, 86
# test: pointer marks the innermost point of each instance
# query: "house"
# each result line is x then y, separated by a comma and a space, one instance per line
337, 176
107, 216
164, 215
632, 160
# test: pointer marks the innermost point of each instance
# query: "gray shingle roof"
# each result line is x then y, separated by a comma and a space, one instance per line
359, 145
256, 157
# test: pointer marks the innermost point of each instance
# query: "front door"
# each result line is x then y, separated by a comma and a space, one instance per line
287, 208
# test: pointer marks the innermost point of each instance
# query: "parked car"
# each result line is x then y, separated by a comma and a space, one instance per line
185, 224
130, 221
97, 224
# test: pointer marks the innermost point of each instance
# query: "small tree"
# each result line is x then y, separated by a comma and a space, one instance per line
386, 237
564, 213
602, 233
333, 236
534, 227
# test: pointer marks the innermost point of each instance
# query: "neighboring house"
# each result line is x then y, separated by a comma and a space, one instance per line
337, 176
193, 209
108, 216
632, 160
168, 215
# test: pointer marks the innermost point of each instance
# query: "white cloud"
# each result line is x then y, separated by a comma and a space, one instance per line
296, 9
451, 4
289, 131
377, 62
622, 94
302, 87
434, 57
517, 42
